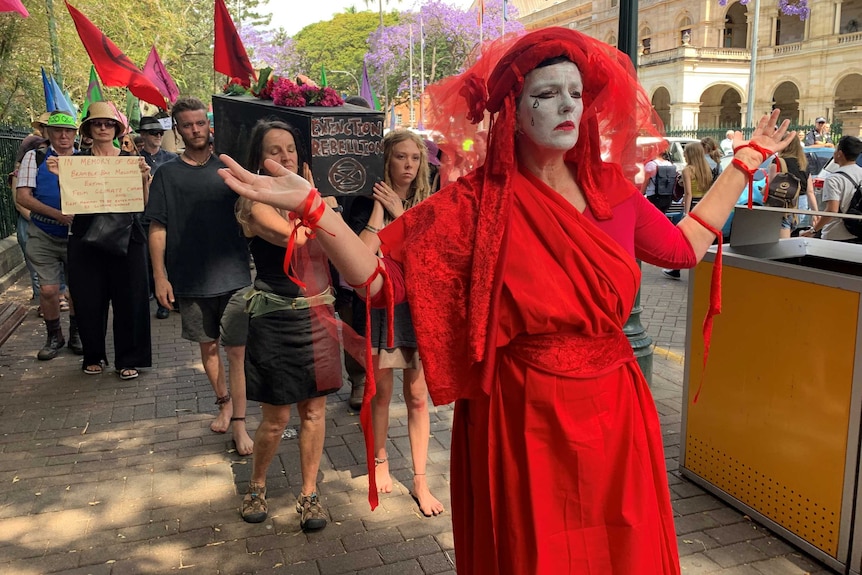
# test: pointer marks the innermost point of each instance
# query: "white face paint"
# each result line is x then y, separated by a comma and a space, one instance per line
551, 107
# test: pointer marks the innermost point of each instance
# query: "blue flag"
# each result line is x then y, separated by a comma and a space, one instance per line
49, 93
60, 98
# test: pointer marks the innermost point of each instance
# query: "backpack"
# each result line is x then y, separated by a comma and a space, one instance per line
784, 188
665, 180
855, 208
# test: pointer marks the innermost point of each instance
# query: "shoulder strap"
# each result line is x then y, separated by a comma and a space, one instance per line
782, 164
857, 185
40, 157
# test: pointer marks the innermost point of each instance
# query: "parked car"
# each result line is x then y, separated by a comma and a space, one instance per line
645, 147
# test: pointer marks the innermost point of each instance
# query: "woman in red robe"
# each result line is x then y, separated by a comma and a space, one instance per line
520, 277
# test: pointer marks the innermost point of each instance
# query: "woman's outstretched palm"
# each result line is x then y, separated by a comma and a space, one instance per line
285, 189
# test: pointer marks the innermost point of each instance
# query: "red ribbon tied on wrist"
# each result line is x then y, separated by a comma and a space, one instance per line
308, 218
749, 172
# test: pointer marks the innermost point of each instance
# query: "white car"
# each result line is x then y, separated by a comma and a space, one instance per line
645, 147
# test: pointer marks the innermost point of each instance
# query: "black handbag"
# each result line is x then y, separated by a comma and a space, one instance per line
110, 233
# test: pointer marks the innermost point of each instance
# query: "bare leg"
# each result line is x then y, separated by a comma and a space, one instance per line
419, 430
49, 299
267, 439
312, 415
784, 233
236, 370
380, 423
214, 369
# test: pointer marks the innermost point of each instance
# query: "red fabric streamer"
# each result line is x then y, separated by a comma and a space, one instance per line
714, 298
114, 67
309, 219
370, 382
229, 55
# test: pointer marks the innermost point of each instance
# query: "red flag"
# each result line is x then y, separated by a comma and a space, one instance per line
13, 6
229, 55
156, 71
114, 67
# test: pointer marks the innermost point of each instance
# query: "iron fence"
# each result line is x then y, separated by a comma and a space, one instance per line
717, 134
10, 139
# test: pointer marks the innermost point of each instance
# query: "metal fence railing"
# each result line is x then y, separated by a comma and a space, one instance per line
10, 139
717, 134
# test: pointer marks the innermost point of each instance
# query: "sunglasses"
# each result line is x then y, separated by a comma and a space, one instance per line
104, 123
155, 133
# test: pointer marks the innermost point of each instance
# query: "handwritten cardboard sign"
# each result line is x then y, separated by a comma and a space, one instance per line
100, 184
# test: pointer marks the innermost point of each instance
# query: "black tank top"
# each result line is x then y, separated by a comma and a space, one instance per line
269, 267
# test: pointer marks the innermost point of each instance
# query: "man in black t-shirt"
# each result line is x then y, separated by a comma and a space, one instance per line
200, 259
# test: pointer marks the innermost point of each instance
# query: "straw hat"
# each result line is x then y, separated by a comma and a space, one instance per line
41, 121
102, 111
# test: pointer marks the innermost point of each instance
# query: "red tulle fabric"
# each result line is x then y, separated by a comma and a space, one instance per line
616, 112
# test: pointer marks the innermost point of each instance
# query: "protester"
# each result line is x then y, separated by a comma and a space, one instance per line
726, 144
520, 278
797, 165
152, 133
47, 234
405, 185
838, 190
127, 144
102, 278
35, 141
200, 259
290, 357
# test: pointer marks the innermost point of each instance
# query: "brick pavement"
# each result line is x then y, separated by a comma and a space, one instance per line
108, 477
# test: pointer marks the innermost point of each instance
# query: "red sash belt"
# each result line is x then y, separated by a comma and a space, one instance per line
572, 355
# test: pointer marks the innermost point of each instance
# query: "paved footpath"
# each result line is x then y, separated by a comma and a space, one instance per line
103, 476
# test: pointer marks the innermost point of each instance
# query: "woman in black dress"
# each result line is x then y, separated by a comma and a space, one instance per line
291, 354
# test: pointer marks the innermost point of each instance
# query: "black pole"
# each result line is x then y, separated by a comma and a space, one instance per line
627, 43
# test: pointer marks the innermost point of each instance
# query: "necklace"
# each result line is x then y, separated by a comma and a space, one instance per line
197, 163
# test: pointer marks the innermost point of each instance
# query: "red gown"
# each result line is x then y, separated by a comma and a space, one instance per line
557, 459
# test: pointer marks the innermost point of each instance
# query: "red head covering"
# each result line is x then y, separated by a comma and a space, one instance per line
616, 111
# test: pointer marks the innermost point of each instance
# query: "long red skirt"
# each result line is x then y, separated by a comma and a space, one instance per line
555, 475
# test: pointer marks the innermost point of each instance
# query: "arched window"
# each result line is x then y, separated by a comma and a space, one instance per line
612, 41
685, 31
646, 39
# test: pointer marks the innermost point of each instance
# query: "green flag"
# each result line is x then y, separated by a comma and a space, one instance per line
322, 75
94, 92
133, 111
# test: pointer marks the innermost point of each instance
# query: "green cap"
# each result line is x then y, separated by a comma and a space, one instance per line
62, 120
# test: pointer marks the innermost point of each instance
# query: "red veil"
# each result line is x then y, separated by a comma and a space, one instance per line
616, 111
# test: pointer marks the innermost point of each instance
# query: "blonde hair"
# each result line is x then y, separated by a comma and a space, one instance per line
420, 188
794, 150
695, 160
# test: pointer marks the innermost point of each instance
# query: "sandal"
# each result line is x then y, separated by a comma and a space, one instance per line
92, 369
126, 373
64, 304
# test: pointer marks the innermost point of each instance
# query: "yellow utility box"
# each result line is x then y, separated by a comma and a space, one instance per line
776, 427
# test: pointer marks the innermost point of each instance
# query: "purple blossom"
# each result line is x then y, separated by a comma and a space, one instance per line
266, 49
788, 7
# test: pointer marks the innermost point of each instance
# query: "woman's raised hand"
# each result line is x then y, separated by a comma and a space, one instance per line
768, 134
285, 189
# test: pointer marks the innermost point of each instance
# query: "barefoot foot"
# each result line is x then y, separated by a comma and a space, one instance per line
429, 505
244, 443
222, 420
381, 473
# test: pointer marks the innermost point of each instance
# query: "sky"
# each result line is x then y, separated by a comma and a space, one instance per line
294, 16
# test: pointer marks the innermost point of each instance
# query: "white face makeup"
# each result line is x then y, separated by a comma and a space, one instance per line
278, 145
550, 108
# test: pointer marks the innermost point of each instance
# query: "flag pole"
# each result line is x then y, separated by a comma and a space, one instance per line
412, 110
421, 72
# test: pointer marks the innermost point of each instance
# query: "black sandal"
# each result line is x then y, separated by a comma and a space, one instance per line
126, 373
92, 369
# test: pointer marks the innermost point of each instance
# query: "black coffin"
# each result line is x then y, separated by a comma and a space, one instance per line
345, 143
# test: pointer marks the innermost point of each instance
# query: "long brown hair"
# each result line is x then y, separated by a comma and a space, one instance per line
695, 160
711, 149
420, 189
794, 150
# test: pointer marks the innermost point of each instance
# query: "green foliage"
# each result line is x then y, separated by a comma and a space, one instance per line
339, 44
180, 29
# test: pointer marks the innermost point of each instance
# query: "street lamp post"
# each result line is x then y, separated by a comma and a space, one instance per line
640, 341
358, 89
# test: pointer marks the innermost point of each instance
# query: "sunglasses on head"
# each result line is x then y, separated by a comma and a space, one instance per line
104, 123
